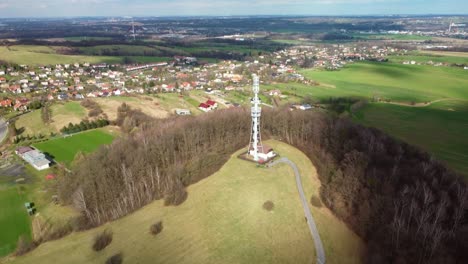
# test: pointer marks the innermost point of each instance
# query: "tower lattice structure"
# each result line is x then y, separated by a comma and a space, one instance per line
255, 145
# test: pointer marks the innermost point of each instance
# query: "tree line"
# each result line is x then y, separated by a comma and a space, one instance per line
83, 126
407, 206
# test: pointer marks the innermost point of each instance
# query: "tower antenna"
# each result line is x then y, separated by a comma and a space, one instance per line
255, 145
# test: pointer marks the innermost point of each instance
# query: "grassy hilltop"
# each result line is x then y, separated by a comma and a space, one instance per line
222, 221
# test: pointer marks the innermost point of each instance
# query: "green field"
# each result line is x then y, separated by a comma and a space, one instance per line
222, 221
441, 128
65, 149
396, 82
438, 128
14, 220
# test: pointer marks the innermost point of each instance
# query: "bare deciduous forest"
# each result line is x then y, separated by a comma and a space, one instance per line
408, 207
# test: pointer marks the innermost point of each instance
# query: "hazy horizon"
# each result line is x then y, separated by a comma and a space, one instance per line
234, 8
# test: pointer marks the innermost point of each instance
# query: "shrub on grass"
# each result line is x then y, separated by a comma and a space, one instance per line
102, 240
95, 112
156, 228
268, 205
315, 201
115, 259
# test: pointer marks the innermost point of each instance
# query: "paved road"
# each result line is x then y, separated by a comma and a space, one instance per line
305, 205
3, 129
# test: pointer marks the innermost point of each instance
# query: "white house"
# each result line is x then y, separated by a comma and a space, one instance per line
305, 107
34, 157
183, 112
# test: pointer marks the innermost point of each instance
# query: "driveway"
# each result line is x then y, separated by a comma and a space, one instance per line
310, 219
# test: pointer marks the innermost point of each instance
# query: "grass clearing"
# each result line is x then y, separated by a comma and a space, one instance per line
62, 115
65, 149
69, 112
32, 124
147, 105
14, 220
222, 221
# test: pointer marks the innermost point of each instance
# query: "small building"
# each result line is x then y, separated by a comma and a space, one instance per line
265, 153
204, 107
183, 112
212, 104
305, 107
34, 157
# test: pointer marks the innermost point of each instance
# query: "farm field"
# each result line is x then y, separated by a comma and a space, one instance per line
391, 37
65, 149
222, 221
403, 84
447, 53
47, 55
396, 82
424, 57
14, 220
440, 128
39, 55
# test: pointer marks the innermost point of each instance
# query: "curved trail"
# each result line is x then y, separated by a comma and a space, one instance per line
310, 219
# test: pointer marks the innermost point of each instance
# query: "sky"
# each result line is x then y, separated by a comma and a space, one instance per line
61, 8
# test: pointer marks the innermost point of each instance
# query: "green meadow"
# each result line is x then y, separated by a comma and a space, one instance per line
65, 149
14, 220
429, 105
391, 81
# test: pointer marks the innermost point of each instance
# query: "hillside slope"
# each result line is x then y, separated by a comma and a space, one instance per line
222, 221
